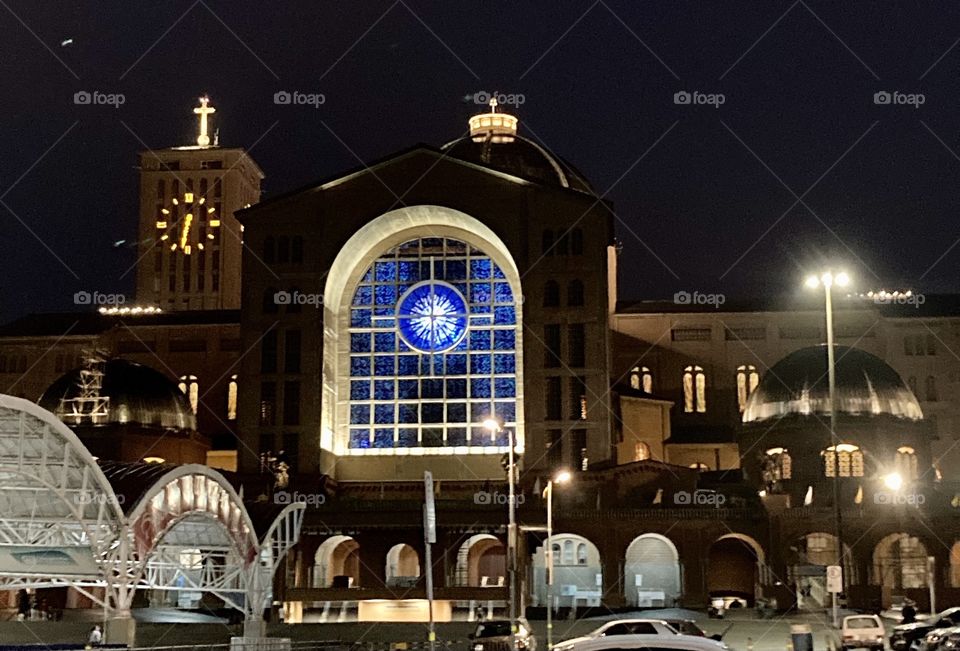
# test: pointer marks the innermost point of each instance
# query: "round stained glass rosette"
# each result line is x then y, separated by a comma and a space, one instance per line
432, 317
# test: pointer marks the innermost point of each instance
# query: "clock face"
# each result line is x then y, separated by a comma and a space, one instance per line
188, 224
432, 317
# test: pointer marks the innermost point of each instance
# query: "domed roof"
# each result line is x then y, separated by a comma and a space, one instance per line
128, 394
521, 157
865, 386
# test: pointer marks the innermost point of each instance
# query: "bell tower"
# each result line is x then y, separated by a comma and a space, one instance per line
189, 240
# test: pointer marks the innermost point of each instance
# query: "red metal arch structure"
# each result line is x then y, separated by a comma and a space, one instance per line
108, 529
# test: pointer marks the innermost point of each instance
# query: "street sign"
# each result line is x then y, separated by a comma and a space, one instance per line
834, 578
430, 509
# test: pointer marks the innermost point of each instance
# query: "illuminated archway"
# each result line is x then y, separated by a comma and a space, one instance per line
403, 566
900, 562
337, 556
651, 571
576, 563
481, 562
734, 567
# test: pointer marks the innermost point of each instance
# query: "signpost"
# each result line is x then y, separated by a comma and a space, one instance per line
835, 586
429, 537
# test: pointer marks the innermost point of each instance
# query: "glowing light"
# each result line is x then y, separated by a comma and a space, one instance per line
164, 237
161, 224
813, 282
893, 481
203, 139
491, 424
188, 197
843, 279
432, 317
562, 477
133, 310
498, 127
214, 222
185, 233
154, 460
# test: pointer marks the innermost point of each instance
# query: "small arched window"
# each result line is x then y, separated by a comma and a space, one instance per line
296, 249
931, 386
641, 379
283, 249
906, 463
232, 398
567, 553
699, 466
576, 241
582, 554
777, 465
191, 388
641, 451
269, 249
547, 242
846, 458
694, 390
551, 294
575, 293
747, 381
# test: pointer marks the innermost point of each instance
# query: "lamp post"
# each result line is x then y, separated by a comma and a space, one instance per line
827, 280
560, 478
494, 426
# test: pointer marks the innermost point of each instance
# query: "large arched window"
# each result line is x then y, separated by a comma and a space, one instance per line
191, 388
906, 463
641, 379
777, 466
433, 330
849, 457
694, 390
747, 381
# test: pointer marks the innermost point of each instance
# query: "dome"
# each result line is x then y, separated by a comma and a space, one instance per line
493, 142
128, 394
865, 386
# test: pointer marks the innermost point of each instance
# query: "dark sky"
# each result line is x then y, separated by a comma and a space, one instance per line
698, 211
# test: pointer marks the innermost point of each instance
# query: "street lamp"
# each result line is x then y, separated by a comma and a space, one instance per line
827, 280
495, 427
561, 477
893, 481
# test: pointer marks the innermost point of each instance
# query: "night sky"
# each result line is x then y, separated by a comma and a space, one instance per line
706, 198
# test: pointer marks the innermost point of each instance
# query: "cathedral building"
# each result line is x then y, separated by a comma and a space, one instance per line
428, 310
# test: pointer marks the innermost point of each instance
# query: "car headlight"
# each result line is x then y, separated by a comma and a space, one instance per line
477, 647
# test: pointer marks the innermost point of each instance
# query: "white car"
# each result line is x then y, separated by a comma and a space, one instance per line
667, 642
863, 631
618, 628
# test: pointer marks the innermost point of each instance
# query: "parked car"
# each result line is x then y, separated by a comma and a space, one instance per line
933, 640
620, 627
862, 631
494, 635
909, 636
640, 642
690, 627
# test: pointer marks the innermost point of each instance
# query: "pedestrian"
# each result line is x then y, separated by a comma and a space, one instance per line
23, 605
909, 613
96, 636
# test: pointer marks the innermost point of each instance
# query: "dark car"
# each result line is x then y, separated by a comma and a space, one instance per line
906, 636
494, 635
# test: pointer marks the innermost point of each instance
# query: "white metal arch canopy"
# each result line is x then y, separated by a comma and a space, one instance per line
66, 519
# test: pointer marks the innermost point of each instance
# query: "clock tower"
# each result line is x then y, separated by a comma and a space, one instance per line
189, 241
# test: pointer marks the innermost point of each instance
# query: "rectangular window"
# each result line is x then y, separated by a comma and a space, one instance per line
578, 398
931, 345
268, 403
749, 333
554, 447
554, 400
908, 346
291, 450
188, 346
576, 345
268, 352
291, 403
551, 342
690, 334
578, 449
291, 352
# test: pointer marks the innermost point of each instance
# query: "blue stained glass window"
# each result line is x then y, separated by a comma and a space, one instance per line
368, 277
360, 342
384, 323
407, 438
408, 414
480, 388
408, 365
457, 436
383, 389
364, 295
383, 438
359, 389
479, 412
432, 317
431, 437
506, 411
431, 412
359, 366
385, 271
385, 294
480, 268
504, 315
408, 389
480, 364
502, 293
480, 340
504, 363
384, 414
479, 292
456, 270
360, 318
456, 364
431, 389
505, 387
498, 272
456, 389
359, 414
385, 365
504, 339
359, 438
383, 342
456, 412
408, 271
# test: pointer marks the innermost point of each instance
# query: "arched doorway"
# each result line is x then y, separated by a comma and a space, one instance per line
403, 566
733, 570
481, 562
577, 572
337, 563
651, 572
899, 563
809, 556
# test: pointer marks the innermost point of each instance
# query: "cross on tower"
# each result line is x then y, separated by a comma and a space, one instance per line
203, 111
